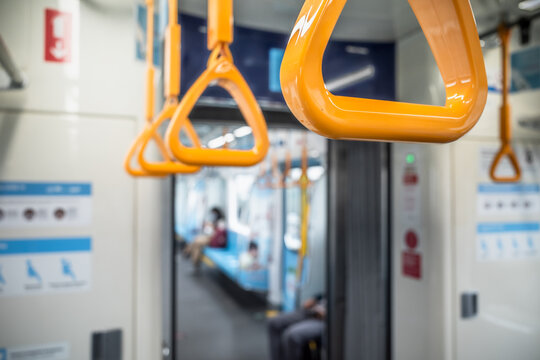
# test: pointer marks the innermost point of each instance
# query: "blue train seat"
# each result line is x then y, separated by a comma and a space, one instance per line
226, 260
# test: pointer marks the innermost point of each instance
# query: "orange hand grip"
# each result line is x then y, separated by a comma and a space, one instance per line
136, 146
168, 166
172, 89
222, 71
149, 105
506, 150
451, 32
505, 123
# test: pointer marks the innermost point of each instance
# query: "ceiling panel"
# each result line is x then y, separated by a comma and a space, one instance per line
363, 20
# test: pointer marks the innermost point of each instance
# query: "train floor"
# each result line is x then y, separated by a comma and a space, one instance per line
216, 319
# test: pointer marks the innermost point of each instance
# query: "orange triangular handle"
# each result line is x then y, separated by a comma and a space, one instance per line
505, 125
135, 146
506, 150
168, 166
221, 71
450, 30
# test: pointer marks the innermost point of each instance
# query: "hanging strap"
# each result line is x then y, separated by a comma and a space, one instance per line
222, 72
505, 123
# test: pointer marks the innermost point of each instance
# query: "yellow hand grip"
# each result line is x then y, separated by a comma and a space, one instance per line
222, 72
506, 150
136, 146
505, 123
149, 105
168, 166
451, 32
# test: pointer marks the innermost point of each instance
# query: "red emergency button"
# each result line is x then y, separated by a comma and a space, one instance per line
411, 239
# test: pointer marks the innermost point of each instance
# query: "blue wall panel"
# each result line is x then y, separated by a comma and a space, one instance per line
256, 53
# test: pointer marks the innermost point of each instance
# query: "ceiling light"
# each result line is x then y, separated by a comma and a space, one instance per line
529, 5
216, 143
242, 131
228, 137
352, 78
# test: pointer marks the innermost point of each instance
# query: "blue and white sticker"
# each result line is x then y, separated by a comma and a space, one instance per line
55, 351
37, 266
45, 204
498, 241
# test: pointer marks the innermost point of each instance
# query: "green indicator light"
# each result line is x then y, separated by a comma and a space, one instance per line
410, 158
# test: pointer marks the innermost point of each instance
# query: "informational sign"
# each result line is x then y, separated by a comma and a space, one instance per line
508, 199
508, 241
33, 204
57, 351
526, 69
58, 36
37, 266
411, 257
140, 36
275, 56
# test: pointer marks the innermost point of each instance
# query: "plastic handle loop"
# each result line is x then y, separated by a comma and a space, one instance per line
172, 89
226, 75
149, 105
168, 166
505, 123
222, 72
506, 150
450, 29
136, 147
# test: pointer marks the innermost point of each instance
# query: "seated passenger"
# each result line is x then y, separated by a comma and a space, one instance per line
214, 234
249, 260
291, 333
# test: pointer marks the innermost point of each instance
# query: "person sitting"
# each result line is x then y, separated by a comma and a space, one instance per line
214, 234
291, 333
249, 260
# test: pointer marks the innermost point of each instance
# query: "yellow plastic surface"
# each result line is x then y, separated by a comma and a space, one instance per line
222, 72
220, 23
172, 89
167, 166
172, 61
149, 104
505, 119
451, 32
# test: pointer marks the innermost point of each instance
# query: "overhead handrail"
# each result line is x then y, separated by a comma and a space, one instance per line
505, 120
450, 29
171, 92
149, 97
220, 71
